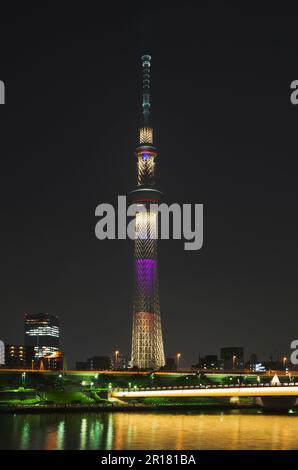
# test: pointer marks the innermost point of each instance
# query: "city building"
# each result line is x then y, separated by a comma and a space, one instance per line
254, 364
209, 362
42, 332
19, 356
95, 363
54, 361
232, 358
281, 363
100, 363
147, 341
257, 367
81, 365
119, 361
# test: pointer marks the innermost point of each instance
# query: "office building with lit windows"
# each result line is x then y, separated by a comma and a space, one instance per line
42, 332
18, 356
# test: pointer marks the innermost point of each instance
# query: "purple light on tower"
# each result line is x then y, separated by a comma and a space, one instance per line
146, 274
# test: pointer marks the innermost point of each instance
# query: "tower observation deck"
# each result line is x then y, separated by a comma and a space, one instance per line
147, 342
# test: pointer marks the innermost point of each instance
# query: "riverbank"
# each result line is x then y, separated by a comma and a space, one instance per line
70, 408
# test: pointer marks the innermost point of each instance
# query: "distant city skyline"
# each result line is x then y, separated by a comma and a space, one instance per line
44, 342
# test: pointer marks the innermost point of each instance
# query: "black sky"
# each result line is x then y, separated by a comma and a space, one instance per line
227, 137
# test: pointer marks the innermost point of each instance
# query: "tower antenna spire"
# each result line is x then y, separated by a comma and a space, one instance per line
146, 132
146, 64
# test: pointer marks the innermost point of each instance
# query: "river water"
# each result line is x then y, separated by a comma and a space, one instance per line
155, 430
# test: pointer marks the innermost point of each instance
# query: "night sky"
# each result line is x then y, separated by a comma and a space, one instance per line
226, 132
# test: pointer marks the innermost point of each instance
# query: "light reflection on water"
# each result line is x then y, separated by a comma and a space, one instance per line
185, 430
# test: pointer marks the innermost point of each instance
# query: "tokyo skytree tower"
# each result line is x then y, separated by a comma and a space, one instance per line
147, 342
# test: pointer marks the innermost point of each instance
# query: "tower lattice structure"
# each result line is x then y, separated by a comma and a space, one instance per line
147, 340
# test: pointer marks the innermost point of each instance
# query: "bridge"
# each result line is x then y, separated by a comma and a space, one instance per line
268, 395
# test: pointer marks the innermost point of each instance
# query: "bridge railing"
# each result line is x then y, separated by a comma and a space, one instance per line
210, 386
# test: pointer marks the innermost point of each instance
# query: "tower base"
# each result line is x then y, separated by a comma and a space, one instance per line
147, 343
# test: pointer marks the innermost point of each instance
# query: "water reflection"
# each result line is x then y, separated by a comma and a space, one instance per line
233, 430
24, 436
60, 434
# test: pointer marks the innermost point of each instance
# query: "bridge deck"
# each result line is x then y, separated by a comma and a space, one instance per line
255, 390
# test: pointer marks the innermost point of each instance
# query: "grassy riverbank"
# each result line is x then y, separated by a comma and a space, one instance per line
112, 407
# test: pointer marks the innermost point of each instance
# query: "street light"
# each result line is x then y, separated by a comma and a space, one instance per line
234, 360
178, 355
284, 359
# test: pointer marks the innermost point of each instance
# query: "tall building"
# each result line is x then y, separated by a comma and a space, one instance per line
147, 341
42, 333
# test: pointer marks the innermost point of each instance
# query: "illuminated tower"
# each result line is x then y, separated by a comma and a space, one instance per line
147, 342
